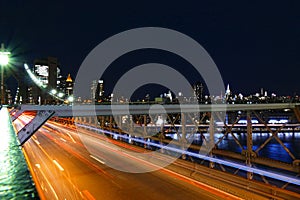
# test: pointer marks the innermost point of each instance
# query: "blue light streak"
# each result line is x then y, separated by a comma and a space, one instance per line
273, 175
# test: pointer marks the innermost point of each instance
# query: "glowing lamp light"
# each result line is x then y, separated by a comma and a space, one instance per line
4, 59
70, 98
60, 95
33, 77
54, 91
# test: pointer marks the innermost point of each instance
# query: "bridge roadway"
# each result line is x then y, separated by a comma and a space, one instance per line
63, 169
45, 112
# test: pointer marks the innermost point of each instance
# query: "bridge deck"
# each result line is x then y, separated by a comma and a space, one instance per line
15, 182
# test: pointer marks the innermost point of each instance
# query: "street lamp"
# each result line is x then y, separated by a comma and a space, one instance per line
71, 99
4, 60
60, 95
53, 91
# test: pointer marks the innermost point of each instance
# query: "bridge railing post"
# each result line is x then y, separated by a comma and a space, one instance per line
211, 139
111, 120
249, 151
183, 137
297, 112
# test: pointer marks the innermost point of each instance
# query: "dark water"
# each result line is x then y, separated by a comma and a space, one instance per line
273, 149
15, 179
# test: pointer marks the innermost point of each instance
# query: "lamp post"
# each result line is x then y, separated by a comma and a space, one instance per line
4, 59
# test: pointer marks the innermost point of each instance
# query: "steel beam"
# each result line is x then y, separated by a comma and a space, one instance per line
183, 140
297, 112
211, 142
29, 129
16, 114
123, 109
249, 145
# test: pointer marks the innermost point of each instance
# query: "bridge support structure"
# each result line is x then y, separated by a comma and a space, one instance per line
249, 152
29, 129
15, 113
297, 112
183, 124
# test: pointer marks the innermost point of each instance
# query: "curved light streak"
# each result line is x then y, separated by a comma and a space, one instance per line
41, 85
204, 157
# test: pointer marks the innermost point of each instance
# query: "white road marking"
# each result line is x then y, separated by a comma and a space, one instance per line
70, 137
100, 161
58, 165
45, 177
36, 141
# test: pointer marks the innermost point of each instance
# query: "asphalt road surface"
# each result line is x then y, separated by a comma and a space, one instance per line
63, 168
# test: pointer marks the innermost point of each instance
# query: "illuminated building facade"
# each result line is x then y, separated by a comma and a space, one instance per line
69, 86
100, 92
48, 73
198, 92
97, 91
93, 90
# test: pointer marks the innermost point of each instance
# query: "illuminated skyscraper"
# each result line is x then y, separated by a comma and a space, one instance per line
47, 71
97, 91
198, 91
69, 86
93, 90
228, 93
100, 91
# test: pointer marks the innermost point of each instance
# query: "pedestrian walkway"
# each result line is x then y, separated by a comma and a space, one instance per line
15, 179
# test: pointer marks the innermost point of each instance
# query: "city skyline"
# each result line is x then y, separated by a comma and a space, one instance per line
253, 44
60, 91
150, 99
61, 88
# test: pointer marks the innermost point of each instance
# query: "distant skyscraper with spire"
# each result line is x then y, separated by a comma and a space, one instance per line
227, 92
69, 86
198, 91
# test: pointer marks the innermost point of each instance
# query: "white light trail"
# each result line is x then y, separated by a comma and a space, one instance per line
239, 166
95, 158
58, 165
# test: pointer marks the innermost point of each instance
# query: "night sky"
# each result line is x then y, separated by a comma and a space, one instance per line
254, 44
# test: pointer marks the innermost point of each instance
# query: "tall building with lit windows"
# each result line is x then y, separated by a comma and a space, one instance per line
69, 86
47, 72
100, 91
97, 91
94, 85
198, 92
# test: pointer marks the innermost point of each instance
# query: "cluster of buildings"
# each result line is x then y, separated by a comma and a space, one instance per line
198, 96
48, 86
